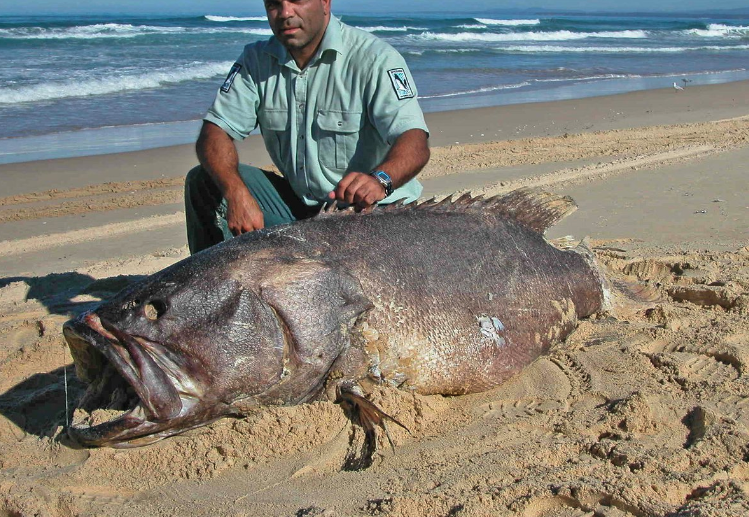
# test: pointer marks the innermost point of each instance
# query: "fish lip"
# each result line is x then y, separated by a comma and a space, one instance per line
159, 399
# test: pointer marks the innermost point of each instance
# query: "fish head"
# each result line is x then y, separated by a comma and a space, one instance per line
186, 344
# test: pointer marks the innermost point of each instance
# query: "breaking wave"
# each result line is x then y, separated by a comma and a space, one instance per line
471, 26
718, 30
477, 90
212, 18
559, 48
531, 36
382, 28
257, 32
509, 23
531, 49
112, 84
116, 30
98, 30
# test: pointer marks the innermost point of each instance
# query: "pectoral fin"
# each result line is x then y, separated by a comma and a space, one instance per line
363, 412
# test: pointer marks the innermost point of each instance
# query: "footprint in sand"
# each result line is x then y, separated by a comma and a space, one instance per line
520, 409
584, 505
684, 280
714, 364
539, 389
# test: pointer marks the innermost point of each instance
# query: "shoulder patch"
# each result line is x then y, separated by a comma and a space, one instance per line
400, 83
235, 68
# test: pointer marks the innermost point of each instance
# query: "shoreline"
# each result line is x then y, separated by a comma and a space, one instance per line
470, 125
139, 137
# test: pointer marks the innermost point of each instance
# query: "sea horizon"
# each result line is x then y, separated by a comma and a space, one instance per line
95, 84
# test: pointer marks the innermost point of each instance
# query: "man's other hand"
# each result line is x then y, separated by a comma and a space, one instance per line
243, 214
358, 189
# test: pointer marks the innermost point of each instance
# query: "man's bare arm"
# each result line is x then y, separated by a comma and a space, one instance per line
408, 155
218, 155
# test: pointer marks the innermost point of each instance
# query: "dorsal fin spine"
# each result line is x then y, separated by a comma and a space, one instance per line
533, 208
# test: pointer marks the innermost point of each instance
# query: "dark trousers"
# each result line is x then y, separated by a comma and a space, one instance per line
205, 207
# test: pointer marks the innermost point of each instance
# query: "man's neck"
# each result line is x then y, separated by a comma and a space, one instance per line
303, 56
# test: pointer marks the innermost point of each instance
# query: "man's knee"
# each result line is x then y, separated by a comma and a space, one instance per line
195, 176
200, 185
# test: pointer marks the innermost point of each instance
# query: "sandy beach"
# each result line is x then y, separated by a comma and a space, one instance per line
643, 411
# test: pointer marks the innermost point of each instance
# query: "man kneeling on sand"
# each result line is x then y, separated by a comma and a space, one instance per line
338, 111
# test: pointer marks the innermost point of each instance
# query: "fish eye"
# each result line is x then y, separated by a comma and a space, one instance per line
154, 309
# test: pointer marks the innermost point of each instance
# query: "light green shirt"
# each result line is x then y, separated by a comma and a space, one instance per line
340, 114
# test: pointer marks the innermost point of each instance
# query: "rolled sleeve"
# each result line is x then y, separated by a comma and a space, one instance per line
394, 106
236, 105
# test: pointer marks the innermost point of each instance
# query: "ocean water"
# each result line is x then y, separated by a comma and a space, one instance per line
85, 85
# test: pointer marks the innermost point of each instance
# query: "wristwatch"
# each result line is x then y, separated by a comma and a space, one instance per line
384, 179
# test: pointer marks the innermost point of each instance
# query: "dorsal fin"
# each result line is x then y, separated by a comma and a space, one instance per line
532, 208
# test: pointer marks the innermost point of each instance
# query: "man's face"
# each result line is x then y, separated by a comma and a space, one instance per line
298, 24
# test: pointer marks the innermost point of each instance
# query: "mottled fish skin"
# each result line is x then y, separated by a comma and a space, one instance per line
462, 300
451, 298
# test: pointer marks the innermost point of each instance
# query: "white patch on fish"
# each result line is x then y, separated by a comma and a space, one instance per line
491, 327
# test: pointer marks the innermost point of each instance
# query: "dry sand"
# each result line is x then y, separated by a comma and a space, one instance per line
641, 412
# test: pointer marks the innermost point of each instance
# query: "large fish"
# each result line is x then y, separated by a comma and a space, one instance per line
452, 297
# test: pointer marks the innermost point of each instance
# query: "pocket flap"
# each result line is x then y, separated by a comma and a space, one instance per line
339, 121
274, 119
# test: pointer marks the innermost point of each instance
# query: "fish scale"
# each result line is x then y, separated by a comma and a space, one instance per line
447, 297
440, 348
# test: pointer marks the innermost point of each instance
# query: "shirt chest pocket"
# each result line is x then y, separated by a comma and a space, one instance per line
337, 134
274, 125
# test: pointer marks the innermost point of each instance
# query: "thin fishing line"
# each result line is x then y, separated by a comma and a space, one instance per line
65, 377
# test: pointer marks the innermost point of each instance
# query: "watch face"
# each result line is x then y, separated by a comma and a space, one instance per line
383, 175
385, 180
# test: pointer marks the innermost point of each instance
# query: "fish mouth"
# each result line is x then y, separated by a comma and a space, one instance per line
136, 392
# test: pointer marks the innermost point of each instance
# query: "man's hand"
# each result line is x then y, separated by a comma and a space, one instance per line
358, 189
406, 158
243, 214
218, 155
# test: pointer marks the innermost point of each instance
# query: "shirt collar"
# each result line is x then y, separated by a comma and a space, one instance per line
331, 40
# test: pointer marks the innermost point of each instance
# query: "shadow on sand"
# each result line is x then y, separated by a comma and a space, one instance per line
56, 291
37, 405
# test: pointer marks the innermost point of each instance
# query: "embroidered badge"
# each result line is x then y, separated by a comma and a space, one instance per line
235, 68
400, 83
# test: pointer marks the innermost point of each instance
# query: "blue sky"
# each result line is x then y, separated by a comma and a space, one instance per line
379, 6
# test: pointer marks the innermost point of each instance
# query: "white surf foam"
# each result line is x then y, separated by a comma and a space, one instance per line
382, 28
95, 31
118, 30
112, 83
477, 90
528, 36
509, 23
257, 32
563, 49
471, 26
718, 30
213, 18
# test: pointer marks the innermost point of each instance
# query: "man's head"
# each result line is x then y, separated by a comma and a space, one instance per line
299, 25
